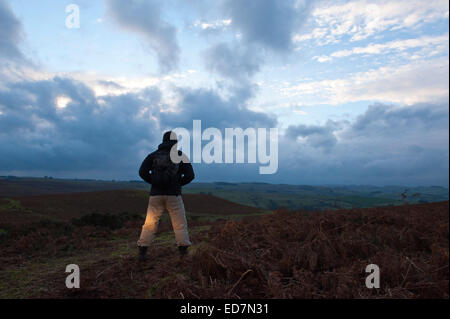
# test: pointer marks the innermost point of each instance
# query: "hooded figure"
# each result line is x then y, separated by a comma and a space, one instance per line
166, 175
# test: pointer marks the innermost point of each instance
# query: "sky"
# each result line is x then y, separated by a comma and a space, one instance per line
358, 89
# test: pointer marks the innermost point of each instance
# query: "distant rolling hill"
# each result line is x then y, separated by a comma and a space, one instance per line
18, 186
64, 207
263, 195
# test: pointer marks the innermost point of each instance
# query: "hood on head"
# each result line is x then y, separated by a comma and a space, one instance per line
169, 139
169, 136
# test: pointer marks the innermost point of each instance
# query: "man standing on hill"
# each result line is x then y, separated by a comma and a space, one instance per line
166, 177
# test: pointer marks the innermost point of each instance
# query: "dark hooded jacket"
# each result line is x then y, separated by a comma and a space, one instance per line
185, 171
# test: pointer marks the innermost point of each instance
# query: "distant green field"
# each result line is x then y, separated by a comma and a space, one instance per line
267, 196
304, 197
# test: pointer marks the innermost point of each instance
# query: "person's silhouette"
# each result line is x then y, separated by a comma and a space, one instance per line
166, 177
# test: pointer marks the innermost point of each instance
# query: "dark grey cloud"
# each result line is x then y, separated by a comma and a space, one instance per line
110, 84
11, 33
387, 144
315, 135
216, 111
145, 18
101, 136
265, 29
233, 61
381, 119
86, 135
270, 23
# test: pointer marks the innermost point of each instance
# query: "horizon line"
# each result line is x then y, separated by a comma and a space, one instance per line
213, 182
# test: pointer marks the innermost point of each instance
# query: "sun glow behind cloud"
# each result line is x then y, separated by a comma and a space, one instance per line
62, 101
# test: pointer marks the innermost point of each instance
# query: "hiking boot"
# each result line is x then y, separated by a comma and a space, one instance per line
183, 250
142, 253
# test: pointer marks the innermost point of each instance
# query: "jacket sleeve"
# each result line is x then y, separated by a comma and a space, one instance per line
187, 173
144, 170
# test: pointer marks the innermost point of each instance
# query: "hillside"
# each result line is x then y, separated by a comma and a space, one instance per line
313, 198
261, 195
64, 207
25, 186
288, 254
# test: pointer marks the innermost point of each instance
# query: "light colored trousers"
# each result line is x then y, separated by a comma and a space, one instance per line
175, 207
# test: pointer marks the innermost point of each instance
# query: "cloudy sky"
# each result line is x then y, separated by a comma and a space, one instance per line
357, 89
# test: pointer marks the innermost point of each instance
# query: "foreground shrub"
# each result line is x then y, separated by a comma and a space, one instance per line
109, 221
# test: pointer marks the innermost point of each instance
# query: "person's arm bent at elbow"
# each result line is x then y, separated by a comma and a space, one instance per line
187, 174
144, 170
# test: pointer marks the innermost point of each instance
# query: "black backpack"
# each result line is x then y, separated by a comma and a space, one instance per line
164, 171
